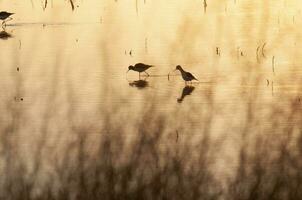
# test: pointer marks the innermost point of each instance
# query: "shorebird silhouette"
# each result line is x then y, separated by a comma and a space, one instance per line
187, 76
139, 67
4, 15
187, 90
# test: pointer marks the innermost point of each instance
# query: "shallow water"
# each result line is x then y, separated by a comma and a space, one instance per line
64, 72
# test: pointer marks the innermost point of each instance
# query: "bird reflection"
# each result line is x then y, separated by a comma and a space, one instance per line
140, 84
5, 35
187, 90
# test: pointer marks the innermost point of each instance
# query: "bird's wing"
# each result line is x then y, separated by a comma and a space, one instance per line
139, 65
142, 65
191, 76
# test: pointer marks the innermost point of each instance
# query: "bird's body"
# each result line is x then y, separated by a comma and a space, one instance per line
187, 76
4, 15
139, 67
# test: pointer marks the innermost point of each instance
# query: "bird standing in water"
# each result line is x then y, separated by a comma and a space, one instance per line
4, 15
139, 67
187, 76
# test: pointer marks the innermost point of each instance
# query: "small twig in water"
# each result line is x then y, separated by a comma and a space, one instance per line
146, 45
217, 51
45, 4
136, 7
262, 50
273, 64
205, 5
257, 53
72, 4
32, 4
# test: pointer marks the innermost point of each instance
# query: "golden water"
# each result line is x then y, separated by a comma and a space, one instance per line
72, 68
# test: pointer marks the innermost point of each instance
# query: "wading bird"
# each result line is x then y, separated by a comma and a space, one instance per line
187, 76
139, 67
4, 15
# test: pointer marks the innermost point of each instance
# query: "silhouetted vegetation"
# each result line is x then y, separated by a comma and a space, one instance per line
150, 162
45, 4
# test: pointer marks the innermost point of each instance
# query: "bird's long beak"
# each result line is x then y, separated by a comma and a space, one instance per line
127, 71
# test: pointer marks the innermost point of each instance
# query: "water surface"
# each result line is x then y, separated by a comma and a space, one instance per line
64, 72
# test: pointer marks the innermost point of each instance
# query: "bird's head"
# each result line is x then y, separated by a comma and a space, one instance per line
130, 68
178, 67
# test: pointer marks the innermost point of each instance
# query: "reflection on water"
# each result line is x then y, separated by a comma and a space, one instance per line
5, 35
139, 84
187, 90
73, 127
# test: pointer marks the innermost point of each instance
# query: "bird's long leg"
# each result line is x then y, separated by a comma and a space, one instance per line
147, 73
4, 22
9, 19
139, 75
